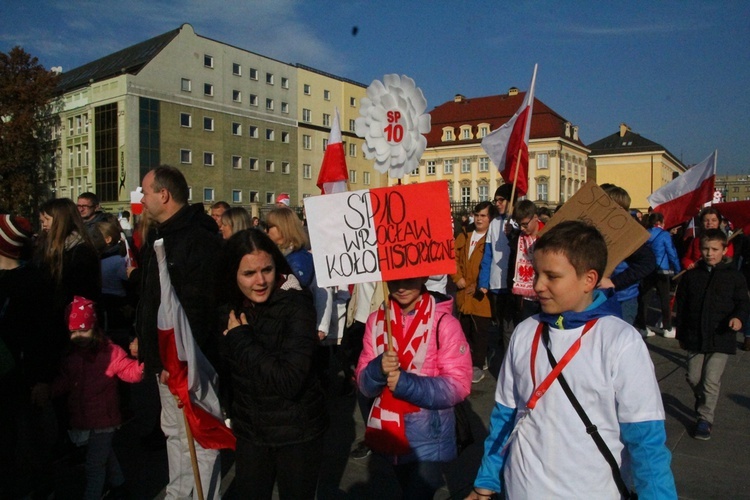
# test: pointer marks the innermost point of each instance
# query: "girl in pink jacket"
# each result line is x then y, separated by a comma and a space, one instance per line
416, 384
89, 378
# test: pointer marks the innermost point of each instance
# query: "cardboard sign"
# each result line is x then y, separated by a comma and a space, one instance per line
621, 231
381, 234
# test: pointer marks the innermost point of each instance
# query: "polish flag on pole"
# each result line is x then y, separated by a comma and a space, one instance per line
334, 175
682, 198
191, 377
508, 146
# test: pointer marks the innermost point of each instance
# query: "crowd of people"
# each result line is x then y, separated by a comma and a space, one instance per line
79, 320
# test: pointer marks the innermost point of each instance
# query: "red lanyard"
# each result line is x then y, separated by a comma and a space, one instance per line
547, 382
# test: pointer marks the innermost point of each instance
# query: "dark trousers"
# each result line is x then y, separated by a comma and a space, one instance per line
419, 480
476, 329
661, 283
504, 312
294, 468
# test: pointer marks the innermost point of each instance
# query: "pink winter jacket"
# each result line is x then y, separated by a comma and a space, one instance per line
89, 377
445, 381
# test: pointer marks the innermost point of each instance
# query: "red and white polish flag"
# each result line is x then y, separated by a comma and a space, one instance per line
682, 199
191, 376
334, 175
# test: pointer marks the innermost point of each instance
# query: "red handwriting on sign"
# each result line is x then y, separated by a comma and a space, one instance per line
394, 131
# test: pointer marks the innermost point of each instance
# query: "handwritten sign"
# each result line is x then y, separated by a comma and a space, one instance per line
381, 234
622, 233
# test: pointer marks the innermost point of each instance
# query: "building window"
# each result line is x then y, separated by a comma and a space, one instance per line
353, 102
306, 89
70, 126
484, 165
352, 176
237, 162
269, 166
208, 159
542, 160
208, 123
465, 194
352, 125
450, 191
484, 193
306, 142
284, 82
366, 178
252, 165
253, 131
541, 190
352, 149
208, 194
253, 74
285, 107
269, 78
448, 134
448, 166
253, 100
465, 165
186, 156
236, 196
208, 89
186, 120
269, 134
466, 133
270, 197
269, 104
286, 167
483, 131
306, 171
327, 95
254, 196
306, 115
236, 96
285, 137
190, 193
236, 69
431, 167
236, 128
415, 171
186, 85
208, 61
326, 120
325, 144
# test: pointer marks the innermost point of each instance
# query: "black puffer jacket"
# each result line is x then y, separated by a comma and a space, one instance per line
192, 246
706, 299
277, 396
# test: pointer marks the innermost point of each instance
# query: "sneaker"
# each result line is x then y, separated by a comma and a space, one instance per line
361, 451
669, 334
477, 375
702, 430
646, 332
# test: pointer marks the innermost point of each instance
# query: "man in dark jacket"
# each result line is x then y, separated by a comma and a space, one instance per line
712, 305
192, 248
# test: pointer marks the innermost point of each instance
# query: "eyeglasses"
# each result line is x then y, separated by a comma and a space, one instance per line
85, 206
525, 225
499, 199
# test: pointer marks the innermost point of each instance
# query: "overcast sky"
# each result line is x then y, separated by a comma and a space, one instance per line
677, 73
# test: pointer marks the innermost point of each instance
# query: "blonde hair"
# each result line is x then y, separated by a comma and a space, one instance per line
237, 218
289, 226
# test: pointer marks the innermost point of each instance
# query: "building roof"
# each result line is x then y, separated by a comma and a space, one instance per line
130, 60
494, 110
626, 142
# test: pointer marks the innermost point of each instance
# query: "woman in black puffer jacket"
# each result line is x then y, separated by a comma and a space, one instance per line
278, 413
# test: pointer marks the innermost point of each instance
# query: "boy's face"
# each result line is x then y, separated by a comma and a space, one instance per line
406, 292
713, 251
558, 286
482, 220
529, 225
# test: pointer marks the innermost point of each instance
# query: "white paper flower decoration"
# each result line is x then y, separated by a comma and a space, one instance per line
392, 121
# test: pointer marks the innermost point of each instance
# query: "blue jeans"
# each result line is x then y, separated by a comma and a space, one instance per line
629, 310
101, 464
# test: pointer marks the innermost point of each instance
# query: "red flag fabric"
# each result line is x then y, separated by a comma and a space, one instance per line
334, 175
737, 212
505, 145
682, 198
191, 377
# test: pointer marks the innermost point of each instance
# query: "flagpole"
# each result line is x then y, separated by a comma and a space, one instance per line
389, 334
515, 181
193, 456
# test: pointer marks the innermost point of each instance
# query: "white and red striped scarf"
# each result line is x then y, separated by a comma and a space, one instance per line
385, 432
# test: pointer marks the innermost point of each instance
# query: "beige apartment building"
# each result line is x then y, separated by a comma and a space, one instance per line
557, 157
635, 163
242, 127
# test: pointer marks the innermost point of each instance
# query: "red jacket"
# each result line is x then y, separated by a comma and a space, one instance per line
89, 377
